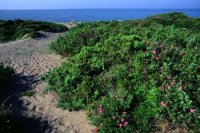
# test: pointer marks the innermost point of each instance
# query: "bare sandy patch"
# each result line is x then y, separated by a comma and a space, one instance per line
31, 58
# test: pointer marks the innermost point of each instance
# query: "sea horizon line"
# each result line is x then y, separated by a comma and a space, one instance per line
109, 9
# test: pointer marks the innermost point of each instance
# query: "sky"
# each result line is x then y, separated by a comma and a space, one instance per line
82, 4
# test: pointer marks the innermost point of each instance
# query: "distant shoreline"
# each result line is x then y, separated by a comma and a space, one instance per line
89, 15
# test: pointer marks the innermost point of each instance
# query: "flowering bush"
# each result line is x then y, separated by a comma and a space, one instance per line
132, 75
113, 118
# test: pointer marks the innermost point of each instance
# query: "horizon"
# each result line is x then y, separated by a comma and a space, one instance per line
98, 4
110, 9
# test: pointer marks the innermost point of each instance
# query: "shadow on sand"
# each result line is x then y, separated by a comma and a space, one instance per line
12, 119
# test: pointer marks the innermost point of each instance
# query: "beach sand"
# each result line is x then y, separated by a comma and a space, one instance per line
31, 58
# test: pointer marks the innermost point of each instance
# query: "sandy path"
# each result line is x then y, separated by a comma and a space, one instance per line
31, 58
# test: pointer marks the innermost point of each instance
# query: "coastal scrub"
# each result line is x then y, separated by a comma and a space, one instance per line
132, 75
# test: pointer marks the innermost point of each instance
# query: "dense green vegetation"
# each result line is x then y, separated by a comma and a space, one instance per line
132, 75
19, 29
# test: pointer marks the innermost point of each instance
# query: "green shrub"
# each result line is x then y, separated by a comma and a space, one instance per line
17, 29
88, 34
27, 94
151, 72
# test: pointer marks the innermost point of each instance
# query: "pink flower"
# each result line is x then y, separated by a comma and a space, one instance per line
157, 58
120, 125
95, 130
126, 123
114, 117
163, 104
124, 112
173, 83
100, 110
92, 130
122, 120
154, 52
180, 88
192, 110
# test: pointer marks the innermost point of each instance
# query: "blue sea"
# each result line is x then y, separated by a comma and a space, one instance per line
86, 15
